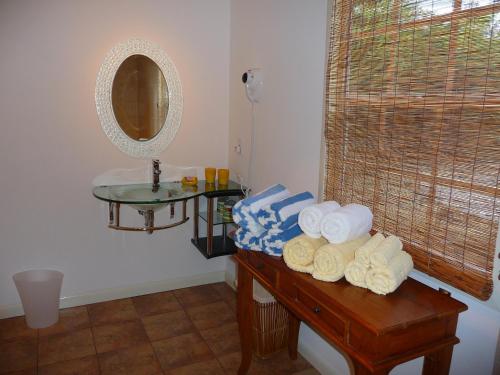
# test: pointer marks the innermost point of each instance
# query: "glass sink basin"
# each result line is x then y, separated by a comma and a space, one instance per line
144, 196
141, 196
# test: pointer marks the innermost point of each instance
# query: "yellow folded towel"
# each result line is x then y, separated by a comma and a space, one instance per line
386, 251
355, 273
298, 253
330, 260
363, 254
387, 279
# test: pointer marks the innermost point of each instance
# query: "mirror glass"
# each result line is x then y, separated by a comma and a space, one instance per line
140, 97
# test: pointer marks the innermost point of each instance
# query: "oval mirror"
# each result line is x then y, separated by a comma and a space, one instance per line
139, 98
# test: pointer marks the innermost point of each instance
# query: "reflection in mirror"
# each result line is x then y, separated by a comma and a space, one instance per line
140, 97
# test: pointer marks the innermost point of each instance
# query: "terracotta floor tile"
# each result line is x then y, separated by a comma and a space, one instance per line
66, 346
156, 303
225, 291
72, 319
116, 311
14, 328
119, 336
18, 354
197, 295
223, 339
164, 326
279, 364
139, 360
211, 315
181, 351
211, 367
80, 366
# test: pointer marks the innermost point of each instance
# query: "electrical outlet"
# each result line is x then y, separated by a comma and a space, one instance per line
237, 147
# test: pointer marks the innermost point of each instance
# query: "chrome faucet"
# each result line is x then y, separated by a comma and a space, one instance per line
156, 175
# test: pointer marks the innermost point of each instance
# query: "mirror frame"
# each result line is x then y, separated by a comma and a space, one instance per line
118, 54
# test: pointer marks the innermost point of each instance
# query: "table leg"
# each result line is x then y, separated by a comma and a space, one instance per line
438, 363
293, 335
245, 312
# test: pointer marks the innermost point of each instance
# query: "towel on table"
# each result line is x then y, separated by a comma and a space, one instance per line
310, 217
386, 279
245, 211
346, 223
248, 240
298, 253
275, 239
363, 254
285, 213
386, 251
330, 260
355, 273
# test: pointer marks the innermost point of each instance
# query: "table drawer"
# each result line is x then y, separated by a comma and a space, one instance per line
322, 315
264, 270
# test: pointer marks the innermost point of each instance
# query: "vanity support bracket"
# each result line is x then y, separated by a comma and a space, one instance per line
210, 227
114, 220
196, 234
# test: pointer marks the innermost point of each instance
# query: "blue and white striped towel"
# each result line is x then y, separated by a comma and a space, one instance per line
275, 239
247, 240
245, 211
285, 213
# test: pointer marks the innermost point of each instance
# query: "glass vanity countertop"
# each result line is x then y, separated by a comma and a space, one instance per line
168, 192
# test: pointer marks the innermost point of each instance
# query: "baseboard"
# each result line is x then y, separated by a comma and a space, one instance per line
125, 292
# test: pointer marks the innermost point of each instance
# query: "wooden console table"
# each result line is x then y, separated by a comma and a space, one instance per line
375, 333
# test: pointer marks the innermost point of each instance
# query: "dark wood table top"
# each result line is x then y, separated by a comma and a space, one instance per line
412, 303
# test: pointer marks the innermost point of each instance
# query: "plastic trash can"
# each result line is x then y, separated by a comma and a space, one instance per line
39, 291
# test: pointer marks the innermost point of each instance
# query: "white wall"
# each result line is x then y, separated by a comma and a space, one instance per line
287, 38
52, 146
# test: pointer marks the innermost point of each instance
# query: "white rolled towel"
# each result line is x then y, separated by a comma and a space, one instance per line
364, 252
310, 217
331, 260
386, 279
346, 223
386, 251
298, 253
355, 273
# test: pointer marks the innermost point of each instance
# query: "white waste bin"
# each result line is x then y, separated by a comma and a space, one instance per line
40, 291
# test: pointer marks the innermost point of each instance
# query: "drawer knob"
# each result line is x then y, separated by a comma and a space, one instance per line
317, 310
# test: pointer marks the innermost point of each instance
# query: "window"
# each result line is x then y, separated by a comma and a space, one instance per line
413, 128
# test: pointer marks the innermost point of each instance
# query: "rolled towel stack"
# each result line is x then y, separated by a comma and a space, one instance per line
330, 260
298, 253
275, 239
386, 251
356, 270
310, 217
386, 279
346, 223
380, 265
245, 211
284, 214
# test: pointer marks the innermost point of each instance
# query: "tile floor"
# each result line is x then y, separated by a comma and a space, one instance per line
182, 332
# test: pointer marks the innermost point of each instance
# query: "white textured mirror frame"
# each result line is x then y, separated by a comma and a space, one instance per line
138, 149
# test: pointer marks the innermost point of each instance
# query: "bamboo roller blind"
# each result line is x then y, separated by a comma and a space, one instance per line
413, 128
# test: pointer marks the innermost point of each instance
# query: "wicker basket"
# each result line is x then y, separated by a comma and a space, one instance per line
270, 323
